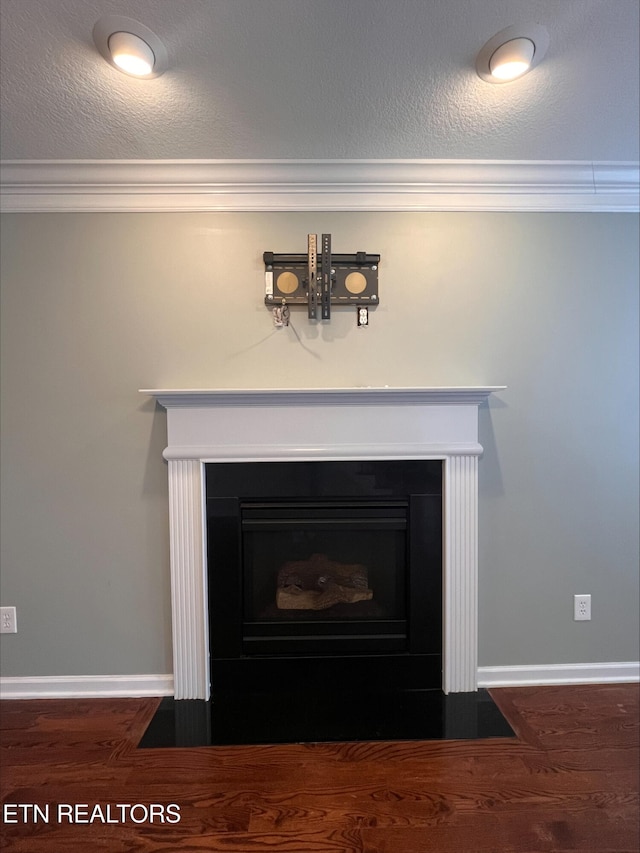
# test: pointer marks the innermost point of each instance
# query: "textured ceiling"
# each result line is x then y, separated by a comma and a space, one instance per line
317, 79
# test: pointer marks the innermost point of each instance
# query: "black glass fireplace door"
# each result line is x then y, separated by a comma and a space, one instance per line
308, 588
324, 577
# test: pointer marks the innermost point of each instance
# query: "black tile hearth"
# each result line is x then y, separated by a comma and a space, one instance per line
270, 718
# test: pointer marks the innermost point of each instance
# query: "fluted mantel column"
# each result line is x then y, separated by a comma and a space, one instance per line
460, 574
189, 610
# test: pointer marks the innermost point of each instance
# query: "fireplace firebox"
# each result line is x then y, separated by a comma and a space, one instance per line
325, 572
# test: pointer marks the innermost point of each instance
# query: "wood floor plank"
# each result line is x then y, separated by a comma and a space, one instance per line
53, 714
567, 782
427, 804
199, 842
542, 831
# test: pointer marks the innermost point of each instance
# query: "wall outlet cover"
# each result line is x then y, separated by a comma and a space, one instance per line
8, 621
582, 608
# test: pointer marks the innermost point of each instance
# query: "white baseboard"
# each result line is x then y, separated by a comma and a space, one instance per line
129, 686
85, 686
564, 673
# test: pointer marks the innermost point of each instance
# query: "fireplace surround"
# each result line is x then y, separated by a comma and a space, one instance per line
324, 572
205, 427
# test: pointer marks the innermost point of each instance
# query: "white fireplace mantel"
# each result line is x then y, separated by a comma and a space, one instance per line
230, 425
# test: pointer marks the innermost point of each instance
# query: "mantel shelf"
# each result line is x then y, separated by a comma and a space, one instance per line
355, 396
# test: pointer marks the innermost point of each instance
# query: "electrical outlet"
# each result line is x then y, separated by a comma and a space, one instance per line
581, 608
8, 623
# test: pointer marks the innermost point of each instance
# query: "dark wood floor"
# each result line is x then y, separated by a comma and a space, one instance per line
568, 782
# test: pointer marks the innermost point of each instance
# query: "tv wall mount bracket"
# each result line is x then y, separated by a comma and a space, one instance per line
319, 280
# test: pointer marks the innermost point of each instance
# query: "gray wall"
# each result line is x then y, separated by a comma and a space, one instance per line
97, 306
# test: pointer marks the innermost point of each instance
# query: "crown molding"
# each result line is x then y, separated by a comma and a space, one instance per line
93, 186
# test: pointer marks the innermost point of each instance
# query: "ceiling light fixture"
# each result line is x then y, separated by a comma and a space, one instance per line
130, 46
511, 53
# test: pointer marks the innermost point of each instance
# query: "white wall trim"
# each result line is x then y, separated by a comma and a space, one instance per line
364, 395
130, 686
91, 186
564, 673
85, 686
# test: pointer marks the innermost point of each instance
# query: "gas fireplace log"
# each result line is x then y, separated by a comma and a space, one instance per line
318, 583
309, 599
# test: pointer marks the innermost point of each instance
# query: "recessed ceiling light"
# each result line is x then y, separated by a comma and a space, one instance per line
130, 46
511, 53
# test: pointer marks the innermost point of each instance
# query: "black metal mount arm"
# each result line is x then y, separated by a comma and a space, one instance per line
321, 278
